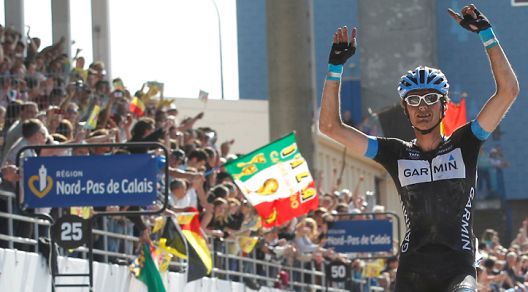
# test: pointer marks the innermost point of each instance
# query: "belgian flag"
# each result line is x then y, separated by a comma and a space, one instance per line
137, 106
182, 237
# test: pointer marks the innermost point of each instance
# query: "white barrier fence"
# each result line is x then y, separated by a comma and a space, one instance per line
31, 265
25, 272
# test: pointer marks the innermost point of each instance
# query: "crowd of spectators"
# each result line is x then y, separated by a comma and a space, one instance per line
47, 98
501, 268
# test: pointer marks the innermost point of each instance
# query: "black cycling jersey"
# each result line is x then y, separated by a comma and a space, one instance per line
436, 189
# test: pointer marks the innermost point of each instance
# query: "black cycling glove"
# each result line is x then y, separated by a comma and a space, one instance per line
340, 53
475, 25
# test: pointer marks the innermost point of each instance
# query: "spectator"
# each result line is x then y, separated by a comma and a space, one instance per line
2, 117
197, 159
78, 72
305, 233
391, 266
484, 168
215, 219
28, 111
251, 220
144, 131
12, 115
33, 133
53, 118
71, 113
498, 162
179, 198
512, 270
65, 128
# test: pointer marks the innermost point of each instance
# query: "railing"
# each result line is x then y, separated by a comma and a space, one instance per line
246, 267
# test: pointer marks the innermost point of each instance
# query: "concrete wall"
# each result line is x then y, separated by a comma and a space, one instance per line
252, 43
394, 38
291, 78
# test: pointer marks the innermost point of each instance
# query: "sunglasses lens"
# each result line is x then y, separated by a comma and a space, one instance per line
431, 98
413, 100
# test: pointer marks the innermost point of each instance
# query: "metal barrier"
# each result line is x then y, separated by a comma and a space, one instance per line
246, 266
22, 205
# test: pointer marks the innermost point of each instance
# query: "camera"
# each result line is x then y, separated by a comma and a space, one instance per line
118, 93
79, 85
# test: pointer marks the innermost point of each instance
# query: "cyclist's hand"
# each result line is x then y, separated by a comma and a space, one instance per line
342, 47
471, 18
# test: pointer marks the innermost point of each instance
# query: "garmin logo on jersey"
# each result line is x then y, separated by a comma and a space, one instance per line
445, 166
410, 172
465, 227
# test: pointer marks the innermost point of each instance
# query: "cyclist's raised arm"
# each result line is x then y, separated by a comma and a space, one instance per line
506, 84
330, 122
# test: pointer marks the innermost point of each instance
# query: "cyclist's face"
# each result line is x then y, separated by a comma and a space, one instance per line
424, 115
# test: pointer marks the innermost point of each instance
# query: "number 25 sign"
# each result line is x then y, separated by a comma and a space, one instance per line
70, 231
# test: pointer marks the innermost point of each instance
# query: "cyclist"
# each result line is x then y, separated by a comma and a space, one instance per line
435, 175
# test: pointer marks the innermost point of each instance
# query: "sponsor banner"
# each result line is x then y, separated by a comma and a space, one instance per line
356, 236
122, 180
446, 166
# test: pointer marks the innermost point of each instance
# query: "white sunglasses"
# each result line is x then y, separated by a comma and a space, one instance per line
428, 98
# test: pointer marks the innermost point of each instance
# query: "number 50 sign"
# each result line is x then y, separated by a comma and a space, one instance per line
338, 272
70, 231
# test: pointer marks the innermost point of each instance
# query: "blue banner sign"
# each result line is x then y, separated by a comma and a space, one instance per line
65, 181
360, 236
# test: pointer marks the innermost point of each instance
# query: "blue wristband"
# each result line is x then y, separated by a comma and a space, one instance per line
334, 72
488, 38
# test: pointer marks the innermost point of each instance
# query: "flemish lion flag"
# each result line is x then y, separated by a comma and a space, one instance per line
276, 180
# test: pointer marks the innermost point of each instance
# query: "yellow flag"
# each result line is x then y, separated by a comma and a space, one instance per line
92, 120
164, 102
152, 91
373, 269
83, 212
184, 218
158, 224
247, 243
164, 259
